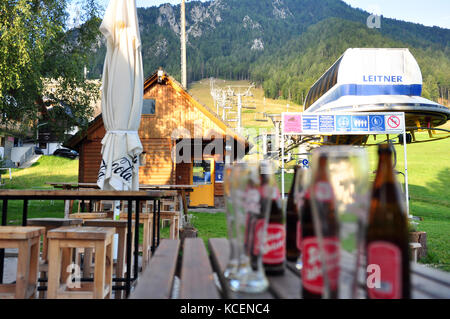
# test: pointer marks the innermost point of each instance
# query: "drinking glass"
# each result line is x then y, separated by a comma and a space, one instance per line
231, 269
301, 186
254, 186
346, 170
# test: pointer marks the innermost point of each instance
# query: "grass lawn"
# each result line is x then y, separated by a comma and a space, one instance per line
429, 188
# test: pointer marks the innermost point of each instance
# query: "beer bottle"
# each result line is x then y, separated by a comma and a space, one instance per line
275, 244
311, 273
292, 221
258, 199
387, 235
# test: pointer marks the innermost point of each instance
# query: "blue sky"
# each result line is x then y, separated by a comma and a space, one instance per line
426, 12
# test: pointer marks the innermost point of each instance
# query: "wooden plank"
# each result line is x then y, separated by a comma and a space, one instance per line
53, 222
197, 279
91, 233
286, 286
86, 194
157, 280
220, 253
20, 232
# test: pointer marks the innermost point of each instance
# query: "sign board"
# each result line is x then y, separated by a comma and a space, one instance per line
219, 172
356, 123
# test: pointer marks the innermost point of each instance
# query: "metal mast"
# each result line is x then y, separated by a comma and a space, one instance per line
183, 45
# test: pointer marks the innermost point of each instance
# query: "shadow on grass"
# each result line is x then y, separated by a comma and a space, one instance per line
436, 193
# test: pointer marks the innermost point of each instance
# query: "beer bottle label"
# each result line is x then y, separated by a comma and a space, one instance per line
323, 192
388, 258
299, 236
312, 278
258, 236
252, 201
275, 244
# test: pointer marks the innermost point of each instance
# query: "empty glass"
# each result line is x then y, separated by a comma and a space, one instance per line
252, 188
340, 183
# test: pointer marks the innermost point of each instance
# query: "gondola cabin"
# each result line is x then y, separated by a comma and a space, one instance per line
185, 143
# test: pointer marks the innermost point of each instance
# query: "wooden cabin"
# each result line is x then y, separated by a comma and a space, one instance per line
184, 142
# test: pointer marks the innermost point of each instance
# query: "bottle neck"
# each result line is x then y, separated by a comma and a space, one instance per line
385, 172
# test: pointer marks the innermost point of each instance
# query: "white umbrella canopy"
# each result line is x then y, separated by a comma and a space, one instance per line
122, 95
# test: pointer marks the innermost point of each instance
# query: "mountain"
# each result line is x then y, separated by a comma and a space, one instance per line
283, 45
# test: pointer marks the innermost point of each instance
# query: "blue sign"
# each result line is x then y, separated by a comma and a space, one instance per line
305, 162
376, 123
326, 123
310, 123
360, 123
219, 172
343, 123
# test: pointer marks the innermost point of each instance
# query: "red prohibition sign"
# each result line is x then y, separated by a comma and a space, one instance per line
393, 121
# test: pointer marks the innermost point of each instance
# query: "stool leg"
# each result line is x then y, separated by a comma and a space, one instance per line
109, 267
54, 268
172, 228
66, 261
87, 263
145, 244
99, 269
34, 265
23, 269
120, 259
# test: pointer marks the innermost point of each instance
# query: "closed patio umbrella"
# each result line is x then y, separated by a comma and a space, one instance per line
122, 95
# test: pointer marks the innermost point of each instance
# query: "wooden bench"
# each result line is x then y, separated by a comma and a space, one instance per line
27, 240
198, 270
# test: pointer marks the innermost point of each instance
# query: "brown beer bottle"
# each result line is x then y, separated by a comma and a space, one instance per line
387, 235
292, 221
274, 255
311, 273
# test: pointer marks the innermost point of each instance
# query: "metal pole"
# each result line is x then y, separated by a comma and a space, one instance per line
239, 112
282, 166
183, 45
406, 169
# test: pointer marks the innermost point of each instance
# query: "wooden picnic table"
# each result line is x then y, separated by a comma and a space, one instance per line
198, 268
130, 196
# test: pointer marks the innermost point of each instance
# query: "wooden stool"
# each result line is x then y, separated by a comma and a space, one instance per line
49, 224
98, 238
174, 218
172, 215
121, 229
27, 240
95, 215
147, 221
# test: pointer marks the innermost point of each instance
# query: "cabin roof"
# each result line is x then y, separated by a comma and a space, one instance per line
74, 142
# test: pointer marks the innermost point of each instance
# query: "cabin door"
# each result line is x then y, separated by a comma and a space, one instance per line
203, 177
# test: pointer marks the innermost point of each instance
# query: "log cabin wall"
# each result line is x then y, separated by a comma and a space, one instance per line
174, 110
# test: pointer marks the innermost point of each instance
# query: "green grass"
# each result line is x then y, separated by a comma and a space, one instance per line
429, 188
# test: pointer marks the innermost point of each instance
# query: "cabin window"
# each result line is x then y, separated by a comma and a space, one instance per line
201, 172
148, 107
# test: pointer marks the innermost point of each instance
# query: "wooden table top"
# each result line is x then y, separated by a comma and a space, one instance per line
187, 188
85, 194
197, 275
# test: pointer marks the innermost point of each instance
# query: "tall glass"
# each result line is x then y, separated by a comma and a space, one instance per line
252, 198
301, 185
346, 171
231, 270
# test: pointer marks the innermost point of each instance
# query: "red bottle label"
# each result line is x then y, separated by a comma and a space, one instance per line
388, 258
259, 236
324, 192
275, 244
299, 236
312, 278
